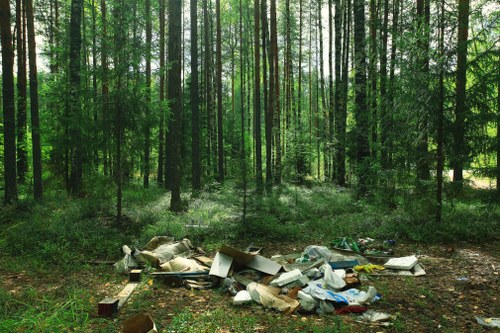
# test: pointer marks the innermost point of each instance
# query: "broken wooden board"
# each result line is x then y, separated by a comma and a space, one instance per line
125, 294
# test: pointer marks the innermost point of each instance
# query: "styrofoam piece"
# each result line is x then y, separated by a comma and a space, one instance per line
287, 278
242, 297
405, 263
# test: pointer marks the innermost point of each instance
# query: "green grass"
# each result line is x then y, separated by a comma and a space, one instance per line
52, 239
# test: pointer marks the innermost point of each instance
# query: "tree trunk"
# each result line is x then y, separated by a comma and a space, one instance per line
339, 112
459, 128
161, 131
331, 103
104, 89
384, 126
324, 104
220, 136
257, 129
268, 95
440, 120
74, 131
208, 83
22, 155
175, 97
276, 110
423, 17
35, 118
195, 101
9, 121
147, 129
361, 111
372, 73
242, 101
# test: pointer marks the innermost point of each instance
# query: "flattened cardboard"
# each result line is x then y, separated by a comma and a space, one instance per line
256, 262
221, 265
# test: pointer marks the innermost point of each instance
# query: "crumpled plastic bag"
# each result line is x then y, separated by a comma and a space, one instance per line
368, 268
331, 278
127, 263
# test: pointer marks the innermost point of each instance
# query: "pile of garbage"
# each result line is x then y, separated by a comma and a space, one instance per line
319, 279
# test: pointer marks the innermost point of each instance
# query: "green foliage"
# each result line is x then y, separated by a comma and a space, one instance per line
31, 311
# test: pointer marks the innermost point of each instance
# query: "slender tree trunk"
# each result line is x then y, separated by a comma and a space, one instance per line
345, 88
22, 155
423, 17
330, 174
384, 159
76, 173
392, 84
94, 83
372, 73
498, 128
147, 129
324, 104
459, 128
257, 109
220, 134
35, 118
339, 116
267, 94
208, 83
104, 88
161, 131
195, 101
120, 30
310, 147
9, 121
299, 147
275, 95
361, 114
242, 101
440, 120
175, 98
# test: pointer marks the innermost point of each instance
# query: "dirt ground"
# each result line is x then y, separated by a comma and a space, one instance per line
461, 283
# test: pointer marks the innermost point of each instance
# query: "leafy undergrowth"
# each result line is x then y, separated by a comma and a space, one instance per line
46, 286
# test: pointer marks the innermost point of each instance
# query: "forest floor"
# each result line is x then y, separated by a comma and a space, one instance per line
44, 288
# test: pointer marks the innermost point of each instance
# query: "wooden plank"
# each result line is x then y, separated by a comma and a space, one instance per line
126, 292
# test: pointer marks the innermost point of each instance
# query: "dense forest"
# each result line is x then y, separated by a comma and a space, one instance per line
375, 96
279, 124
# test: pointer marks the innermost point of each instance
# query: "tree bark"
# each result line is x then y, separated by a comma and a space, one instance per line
195, 101
459, 128
9, 121
339, 112
35, 117
74, 131
361, 111
147, 129
257, 108
22, 155
220, 134
384, 159
161, 131
175, 97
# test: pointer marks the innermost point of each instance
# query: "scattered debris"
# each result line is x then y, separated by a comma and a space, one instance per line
405, 263
242, 297
319, 279
140, 323
489, 322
